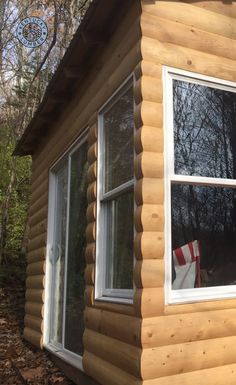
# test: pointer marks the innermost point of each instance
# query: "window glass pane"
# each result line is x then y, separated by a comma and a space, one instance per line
59, 253
120, 218
207, 215
119, 146
204, 130
74, 325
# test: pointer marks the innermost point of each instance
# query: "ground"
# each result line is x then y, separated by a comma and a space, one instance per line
20, 363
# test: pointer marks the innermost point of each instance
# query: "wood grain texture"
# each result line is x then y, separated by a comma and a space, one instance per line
149, 245
34, 323
149, 217
149, 139
175, 329
36, 268
149, 191
120, 354
149, 302
148, 113
107, 373
213, 376
35, 295
119, 326
187, 357
34, 337
149, 273
149, 165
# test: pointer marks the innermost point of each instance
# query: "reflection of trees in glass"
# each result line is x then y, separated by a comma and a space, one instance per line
74, 326
205, 145
119, 146
204, 130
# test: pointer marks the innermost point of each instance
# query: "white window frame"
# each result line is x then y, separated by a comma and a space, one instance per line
58, 349
101, 292
196, 294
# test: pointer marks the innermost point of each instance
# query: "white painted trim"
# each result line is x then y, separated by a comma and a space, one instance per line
101, 292
196, 294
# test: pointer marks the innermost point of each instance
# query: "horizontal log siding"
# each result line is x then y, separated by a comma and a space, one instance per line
115, 63
188, 343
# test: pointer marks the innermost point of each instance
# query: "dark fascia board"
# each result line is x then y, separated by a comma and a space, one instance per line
98, 23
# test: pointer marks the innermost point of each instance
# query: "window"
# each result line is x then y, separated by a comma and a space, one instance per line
67, 225
200, 148
115, 233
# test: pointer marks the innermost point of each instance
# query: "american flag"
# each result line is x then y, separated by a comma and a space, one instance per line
186, 261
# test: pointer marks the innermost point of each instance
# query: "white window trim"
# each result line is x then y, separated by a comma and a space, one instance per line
101, 292
196, 294
58, 349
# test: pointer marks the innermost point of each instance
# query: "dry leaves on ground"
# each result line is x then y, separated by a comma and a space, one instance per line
19, 362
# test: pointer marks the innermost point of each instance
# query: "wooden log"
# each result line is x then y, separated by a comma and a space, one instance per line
149, 218
187, 36
91, 232
92, 192
122, 327
149, 139
92, 173
149, 245
105, 373
35, 282
34, 323
39, 204
39, 190
122, 356
35, 295
90, 274
40, 179
148, 114
34, 337
93, 133
149, 191
37, 242
38, 216
149, 302
90, 252
36, 268
149, 69
186, 58
212, 376
39, 229
91, 212
201, 306
184, 328
34, 309
92, 153
149, 273
149, 165
217, 7
196, 17
36, 255
127, 309
149, 89
89, 295
181, 358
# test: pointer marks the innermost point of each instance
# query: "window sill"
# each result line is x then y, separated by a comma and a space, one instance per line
185, 296
115, 300
70, 358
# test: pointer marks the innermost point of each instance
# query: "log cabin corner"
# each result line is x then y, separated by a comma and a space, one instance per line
131, 276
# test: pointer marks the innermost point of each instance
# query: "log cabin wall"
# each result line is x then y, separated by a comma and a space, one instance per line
111, 330
187, 343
